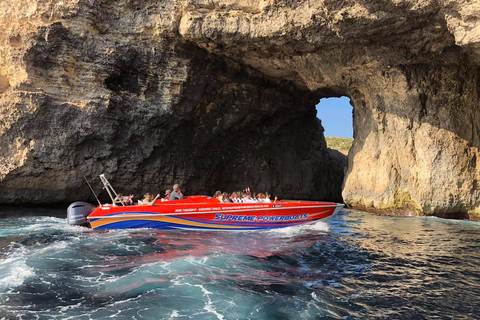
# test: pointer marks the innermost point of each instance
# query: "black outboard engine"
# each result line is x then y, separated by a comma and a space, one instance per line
77, 213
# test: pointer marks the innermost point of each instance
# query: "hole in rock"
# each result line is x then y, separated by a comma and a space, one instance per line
337, 120
125, 80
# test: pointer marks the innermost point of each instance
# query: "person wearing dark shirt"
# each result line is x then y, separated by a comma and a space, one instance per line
176, 193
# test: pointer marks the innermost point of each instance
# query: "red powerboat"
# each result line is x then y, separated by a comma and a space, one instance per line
200, 213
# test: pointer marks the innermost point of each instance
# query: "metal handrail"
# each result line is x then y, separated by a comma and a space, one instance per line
109, 188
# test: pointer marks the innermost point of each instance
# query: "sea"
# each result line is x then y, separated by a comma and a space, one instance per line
355, 266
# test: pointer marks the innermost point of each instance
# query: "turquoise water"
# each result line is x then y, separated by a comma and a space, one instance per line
356, 266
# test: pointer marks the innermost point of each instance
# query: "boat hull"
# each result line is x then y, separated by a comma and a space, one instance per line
205, 213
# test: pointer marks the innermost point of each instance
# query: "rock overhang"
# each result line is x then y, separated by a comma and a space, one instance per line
406, 65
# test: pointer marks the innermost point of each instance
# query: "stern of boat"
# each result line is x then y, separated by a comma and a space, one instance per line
77, 213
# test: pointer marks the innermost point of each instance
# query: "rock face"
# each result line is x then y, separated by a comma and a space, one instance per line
222, 94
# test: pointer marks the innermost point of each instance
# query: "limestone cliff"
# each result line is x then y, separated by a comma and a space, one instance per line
222, 94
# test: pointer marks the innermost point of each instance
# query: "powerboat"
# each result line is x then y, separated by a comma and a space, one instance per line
206, 213
200, 213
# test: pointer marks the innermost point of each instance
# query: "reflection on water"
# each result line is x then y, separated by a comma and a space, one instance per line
356, 266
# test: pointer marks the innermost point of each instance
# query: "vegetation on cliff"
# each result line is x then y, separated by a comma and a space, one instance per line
340, 144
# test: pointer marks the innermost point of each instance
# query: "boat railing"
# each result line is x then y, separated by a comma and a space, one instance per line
107, 186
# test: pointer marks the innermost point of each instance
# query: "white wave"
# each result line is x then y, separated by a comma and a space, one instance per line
14, 272
175, 314
208, 302
469, 223
67, 308
305, 228
14, 269
35, 225
53, 247
44, 219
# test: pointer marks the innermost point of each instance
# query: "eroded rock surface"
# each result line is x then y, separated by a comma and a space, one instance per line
222, 94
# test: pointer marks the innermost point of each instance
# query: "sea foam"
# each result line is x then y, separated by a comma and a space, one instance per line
14, 273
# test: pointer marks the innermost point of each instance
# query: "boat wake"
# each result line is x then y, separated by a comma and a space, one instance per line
319, 226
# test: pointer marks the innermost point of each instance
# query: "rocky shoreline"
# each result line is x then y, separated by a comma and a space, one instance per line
405, 212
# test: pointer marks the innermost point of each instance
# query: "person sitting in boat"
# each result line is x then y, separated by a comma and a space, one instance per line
121, 200
118, 200
248, 197
226, 198
260, 197
128, 201
217, 194
234, 197
148, 199
267, 197
176, 193
243, 197
167, 195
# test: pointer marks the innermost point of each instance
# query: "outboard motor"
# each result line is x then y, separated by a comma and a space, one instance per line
77, 213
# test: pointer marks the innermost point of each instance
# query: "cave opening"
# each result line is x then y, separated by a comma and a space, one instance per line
336, 115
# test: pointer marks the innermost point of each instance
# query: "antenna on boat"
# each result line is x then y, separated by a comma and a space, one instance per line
109, 188
92, 191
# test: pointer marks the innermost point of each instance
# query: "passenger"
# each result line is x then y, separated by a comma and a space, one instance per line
167, 195
128, 201
217, 194
177, 193
148, 199
226, 198
118, 200
267, 197
260, 197
248, 197
245, 197
234, 197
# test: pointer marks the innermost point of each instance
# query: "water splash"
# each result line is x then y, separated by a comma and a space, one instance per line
14, 271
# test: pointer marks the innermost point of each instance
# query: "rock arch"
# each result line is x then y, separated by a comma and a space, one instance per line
224, 94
